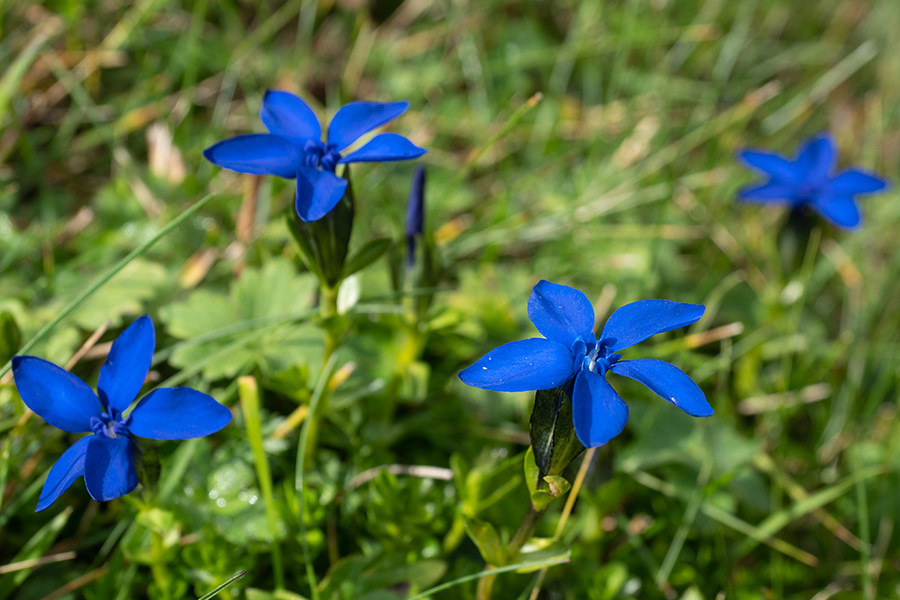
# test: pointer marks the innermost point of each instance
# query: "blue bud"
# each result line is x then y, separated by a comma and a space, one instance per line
415, 214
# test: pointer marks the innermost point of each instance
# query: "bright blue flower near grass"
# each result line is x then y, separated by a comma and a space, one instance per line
106, 458
807, 181
293, 148
570, 349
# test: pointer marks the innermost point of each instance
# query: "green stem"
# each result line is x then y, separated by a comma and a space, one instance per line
299, 469
334, 326
524, 533
158, 567
248, 391
77, 302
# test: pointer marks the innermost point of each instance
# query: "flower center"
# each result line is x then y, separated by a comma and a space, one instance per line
807, 192
594, 356
319, 156
108, 427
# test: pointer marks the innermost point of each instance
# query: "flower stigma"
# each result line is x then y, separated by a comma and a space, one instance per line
594, 356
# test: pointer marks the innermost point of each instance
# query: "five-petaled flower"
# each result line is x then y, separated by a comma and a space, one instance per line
293, 148
807, 181
565, 317
106, 458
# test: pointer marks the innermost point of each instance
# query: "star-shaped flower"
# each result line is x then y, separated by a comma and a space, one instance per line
807, 181
106, 458
293, 148
566, 318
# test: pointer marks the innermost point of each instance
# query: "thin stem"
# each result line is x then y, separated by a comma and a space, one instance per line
333, 328
248, 391
524, 532
567, 510
522, 535
328, 309
299, 470
862, 509
483, 574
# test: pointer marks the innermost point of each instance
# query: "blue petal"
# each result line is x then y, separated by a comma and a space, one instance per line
57, 396
561, 313
357, 118
668, 381
385, 147
857, 181
599, 413
317, 193
767, 192
257, 154
109, 467
771, 163
639, 320
122, 375
178, 413
287, 115
64, 472
533, 364
839, 209
817, 157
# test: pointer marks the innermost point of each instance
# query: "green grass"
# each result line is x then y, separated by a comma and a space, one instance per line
588, 143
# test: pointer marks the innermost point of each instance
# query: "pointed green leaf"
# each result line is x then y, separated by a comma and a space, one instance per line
540, 550
553, 436
303, 244
485, 537
532, 472
366, 255
10, 337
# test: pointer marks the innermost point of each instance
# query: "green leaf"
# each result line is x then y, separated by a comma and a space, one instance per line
541, 550
125, 293
488, 541
212, 593
532, 472
553, 438
556, 487
303, 244
255, 325
366, 255
10, 337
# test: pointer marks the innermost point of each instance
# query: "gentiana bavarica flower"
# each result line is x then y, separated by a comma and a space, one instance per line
570, 349
106, 457
294, 149
808, 181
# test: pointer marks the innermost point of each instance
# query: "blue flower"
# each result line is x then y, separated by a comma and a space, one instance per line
293, 148
106, 458
566, 318
807, 181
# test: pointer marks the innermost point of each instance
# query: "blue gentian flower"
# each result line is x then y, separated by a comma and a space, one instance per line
807, 181
571, 350
106, 458
293, 148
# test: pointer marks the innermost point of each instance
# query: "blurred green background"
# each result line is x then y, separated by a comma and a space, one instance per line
589, 143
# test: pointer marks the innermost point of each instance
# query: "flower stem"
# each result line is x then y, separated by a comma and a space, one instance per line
567, 510
334, 327
332, 322
299, 470
522, 535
